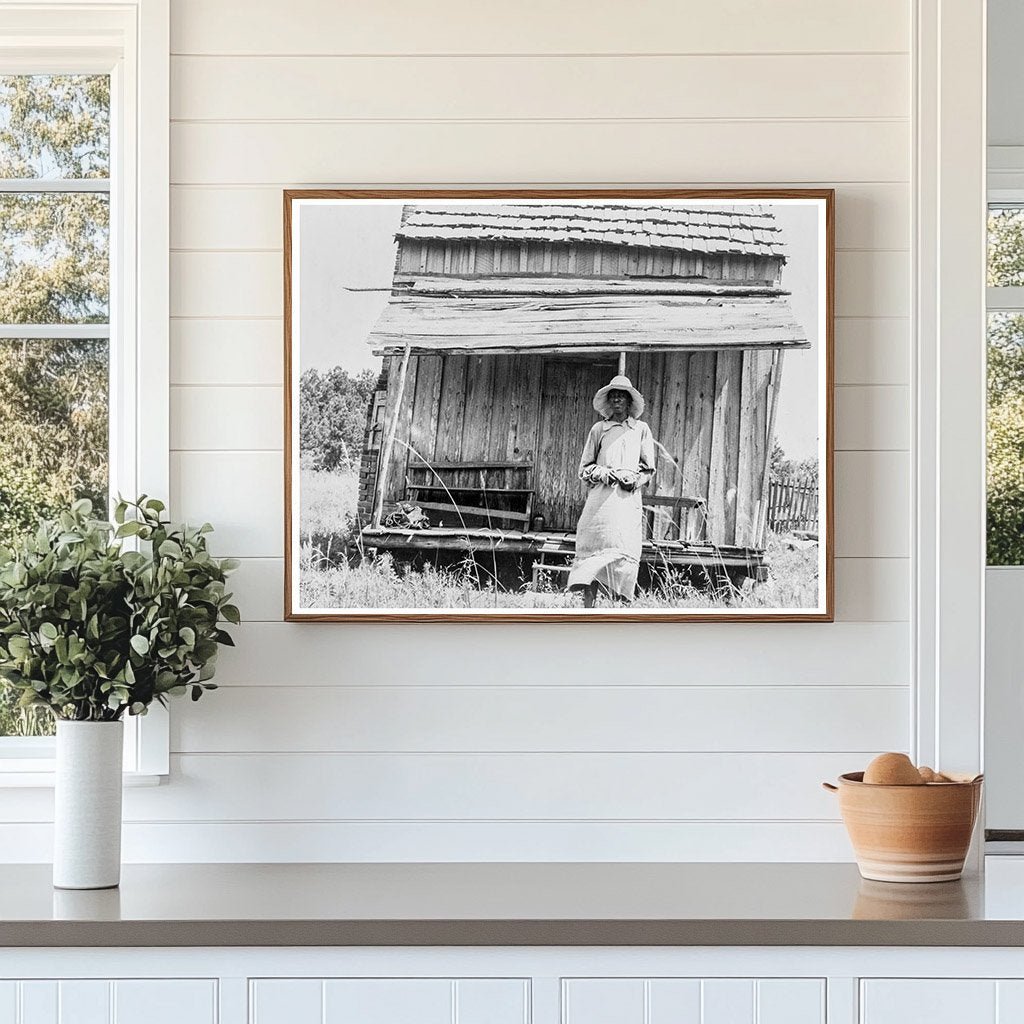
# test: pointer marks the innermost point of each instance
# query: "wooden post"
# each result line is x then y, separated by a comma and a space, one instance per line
389, 443
762, 512
622, 364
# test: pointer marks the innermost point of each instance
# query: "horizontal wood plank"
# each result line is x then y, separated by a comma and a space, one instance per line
243, 284
227, 352
872, 350
471, 654
872, 503
241, 493
872, 418
873, 283
605, 718
552, 152
579, 26
454, 842
873, 589
336, 88
258, 586
417, 787
235, 418
873, 216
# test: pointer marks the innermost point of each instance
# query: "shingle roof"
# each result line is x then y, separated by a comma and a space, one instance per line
693, 227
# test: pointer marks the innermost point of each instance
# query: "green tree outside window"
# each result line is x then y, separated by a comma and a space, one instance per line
1005, 478
54, 270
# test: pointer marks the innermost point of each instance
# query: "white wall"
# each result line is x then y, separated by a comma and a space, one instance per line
423, 742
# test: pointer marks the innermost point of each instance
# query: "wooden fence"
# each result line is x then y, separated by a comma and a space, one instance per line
793, 505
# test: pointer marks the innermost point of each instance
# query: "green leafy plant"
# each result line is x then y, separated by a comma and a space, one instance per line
92, 630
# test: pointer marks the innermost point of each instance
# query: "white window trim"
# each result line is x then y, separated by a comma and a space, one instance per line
1004, 719
131, 41
949, 446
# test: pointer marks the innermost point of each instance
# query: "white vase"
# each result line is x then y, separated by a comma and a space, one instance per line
87, 806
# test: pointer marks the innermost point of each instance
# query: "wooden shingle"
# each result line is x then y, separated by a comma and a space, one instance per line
734, 230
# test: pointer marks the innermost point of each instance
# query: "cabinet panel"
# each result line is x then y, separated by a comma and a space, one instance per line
674, 1001
103, 1001
165, 1002
286, 1001
8, 1002
38, 1002
1009, 1002
388, 1001
694, 1001
727, 1001
929, 1001
790, 1001
603, 1001
84, 1002
491, 1001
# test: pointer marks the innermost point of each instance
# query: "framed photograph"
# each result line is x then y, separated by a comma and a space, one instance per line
558, 405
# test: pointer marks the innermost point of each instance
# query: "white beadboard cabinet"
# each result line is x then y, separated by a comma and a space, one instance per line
952, 1001
513, 985
109, 1001
700, 1000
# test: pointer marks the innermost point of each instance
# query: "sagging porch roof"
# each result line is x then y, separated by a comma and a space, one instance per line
754, 319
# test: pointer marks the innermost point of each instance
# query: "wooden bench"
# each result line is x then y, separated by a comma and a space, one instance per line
500, 491
684, 516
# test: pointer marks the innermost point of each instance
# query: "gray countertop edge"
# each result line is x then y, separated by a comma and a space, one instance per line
511, 933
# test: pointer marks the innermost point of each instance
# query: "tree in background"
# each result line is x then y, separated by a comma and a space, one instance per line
53, 270
786, 470
53, 448
1005, 478
332, 417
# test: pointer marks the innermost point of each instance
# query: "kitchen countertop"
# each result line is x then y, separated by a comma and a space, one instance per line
559, 904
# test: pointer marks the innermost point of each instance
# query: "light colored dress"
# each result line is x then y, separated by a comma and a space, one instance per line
609, 535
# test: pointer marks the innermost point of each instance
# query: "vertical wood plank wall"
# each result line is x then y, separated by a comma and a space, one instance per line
725, 400
434, 742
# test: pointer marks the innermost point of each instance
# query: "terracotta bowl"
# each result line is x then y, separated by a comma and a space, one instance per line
909, 833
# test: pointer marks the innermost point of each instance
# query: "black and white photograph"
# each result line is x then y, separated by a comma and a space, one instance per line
558, 405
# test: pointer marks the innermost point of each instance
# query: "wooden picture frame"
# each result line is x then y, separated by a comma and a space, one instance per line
660, 283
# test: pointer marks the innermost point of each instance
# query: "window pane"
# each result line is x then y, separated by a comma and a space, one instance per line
54, 126
53, 449
1005, 246
54, 258
1006, 439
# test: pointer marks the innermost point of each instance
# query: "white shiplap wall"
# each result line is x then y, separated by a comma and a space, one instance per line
425, 742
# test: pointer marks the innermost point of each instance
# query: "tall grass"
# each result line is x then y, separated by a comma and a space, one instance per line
384, 583
327, 511
328, 531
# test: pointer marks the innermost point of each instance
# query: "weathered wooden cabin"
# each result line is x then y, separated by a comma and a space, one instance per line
503, 322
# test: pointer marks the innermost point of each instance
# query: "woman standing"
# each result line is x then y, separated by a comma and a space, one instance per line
618, 459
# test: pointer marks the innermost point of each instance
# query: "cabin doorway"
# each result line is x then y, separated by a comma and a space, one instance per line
567, 414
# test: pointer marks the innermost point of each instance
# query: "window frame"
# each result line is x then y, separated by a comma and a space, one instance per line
130, 41
1004, 298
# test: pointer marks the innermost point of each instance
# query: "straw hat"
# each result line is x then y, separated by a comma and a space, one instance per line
619, 383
